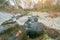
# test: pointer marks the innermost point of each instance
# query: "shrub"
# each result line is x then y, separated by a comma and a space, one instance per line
2, 1
44, 9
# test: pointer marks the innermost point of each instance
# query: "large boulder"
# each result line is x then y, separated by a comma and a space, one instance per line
34, 29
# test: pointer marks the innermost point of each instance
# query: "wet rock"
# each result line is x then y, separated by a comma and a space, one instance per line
34, 28
10, 31
6, 26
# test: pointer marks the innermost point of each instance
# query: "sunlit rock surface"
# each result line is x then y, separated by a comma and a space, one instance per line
52, 25
22, 20
48, 21
44, 18
4, 17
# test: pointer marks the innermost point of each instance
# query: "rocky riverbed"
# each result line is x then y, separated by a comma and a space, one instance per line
52, 27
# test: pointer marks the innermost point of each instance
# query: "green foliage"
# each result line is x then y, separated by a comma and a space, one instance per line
56, 7
51, 8
2, 1
44, 9
46, 37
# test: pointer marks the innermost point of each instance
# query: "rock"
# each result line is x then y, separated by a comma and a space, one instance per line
53, 33
34, 28
22, 20
5, 27
4, 17
10, 30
